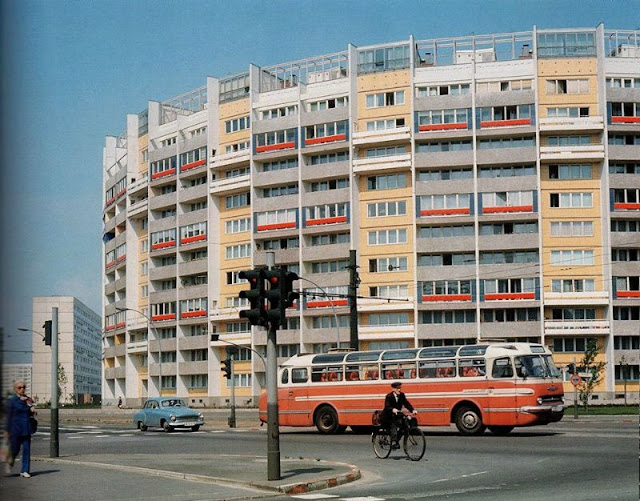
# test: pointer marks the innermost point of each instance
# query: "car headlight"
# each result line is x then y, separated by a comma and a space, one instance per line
201, 416
172, 417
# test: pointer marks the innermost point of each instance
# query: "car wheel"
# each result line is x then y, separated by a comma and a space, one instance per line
195, 427
142, 426
166, 426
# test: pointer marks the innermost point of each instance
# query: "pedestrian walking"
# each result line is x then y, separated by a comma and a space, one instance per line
18, 428
119, 402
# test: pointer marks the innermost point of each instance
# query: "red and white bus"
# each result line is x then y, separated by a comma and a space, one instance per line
499, 386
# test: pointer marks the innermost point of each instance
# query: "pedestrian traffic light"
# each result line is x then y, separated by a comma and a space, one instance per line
256, 315
47, 332
226, 367
274, 297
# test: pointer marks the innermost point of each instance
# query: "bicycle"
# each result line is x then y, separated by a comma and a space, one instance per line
414, 442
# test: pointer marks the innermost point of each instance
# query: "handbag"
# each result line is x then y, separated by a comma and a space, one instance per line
33, 424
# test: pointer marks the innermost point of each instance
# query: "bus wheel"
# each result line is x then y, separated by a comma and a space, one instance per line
327, 420
469, 421
501, 431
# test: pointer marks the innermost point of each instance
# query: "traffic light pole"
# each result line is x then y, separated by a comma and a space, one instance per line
273, 431
54, 444
232, 417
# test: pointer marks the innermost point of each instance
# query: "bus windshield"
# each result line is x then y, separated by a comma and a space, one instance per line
536, 366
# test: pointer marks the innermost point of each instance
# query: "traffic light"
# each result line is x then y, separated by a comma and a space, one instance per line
256, 315
226, 367
47, 332
288, 277
571, 368
275, 311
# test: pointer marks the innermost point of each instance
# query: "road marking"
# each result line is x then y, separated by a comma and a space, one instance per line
461, 476
314, 496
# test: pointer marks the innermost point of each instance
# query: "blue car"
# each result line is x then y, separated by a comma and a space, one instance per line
167, 413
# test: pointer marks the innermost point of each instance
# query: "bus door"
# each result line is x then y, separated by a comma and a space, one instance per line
292, 396
503, 392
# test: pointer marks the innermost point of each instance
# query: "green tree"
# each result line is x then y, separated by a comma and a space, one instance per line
595, 369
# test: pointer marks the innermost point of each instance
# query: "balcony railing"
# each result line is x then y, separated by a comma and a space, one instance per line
577, 327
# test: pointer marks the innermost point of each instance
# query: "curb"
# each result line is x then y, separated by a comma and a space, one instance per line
294, 488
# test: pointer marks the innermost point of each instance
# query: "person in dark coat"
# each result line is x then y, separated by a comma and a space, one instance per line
393, 405
20, 408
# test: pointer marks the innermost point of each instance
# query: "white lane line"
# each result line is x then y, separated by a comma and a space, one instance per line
457, 478
314, 496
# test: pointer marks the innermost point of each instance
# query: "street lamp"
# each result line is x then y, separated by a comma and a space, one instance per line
152, 327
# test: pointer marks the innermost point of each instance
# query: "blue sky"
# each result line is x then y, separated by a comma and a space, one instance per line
72, 70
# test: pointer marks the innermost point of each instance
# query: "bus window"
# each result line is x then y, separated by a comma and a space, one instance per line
427, 369
370, 371
502, 368
405, 370
285, 376
326, 374
438, 352
319, 374
437, 368
299, 375
472, 367
353, 373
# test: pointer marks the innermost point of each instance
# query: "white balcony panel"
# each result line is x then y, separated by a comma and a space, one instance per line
572, 153
138, 347
384, 332
576, 327
138, 208
569, 124
382, 164
381, 136
231, 185
576, 298
140, 185
381, 305
227, 159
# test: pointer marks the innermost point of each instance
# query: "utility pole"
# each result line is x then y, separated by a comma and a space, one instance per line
231, 355
354, 281
273, 430
54, 445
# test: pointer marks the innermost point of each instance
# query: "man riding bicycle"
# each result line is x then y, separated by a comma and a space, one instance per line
392, 415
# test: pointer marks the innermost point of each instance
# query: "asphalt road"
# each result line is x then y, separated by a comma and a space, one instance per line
587, 459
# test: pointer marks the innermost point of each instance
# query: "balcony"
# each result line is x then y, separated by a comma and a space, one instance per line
381, 136
138, 208
241, 157
572, 153
571, 124
382, 164
137, 347
576, 298
381, 332
230, 185
383, 305
576, 327
139, 186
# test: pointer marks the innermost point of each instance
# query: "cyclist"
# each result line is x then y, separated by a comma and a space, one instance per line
392, 415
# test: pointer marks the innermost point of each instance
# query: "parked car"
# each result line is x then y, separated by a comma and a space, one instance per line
168, 413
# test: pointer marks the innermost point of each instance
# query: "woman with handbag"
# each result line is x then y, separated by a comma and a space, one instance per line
19, 427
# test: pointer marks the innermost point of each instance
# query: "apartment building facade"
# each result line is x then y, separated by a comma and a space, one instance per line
490, 186
79, 351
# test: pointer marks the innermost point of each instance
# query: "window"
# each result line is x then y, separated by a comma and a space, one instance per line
508, 257
328, 158
625, 255
503, 86
197, 206
388, 264
281, 243
328, 104
167, 333
446, 231
631, 168
573, 86
389, 291
446, 259
241, 380
567, 112
509, 285
329, 322
273, 138
438, 117
168, 381
573, 313
276, 219
167, 213
388, 319
330, 239
571, 200
442, 146
571, 44
326, 130
623, 83
338, 210
193, 156
568, 141
510, 112
197, 355
168, 141
626, 313
387, 182
163, 237
233, 148
625, 225
384, 99
235, 201
194, 280
443, 90
237, 124
572, 258
388, 124
164, 167
196, 255
571, 228
511, 315
571, 344
237, 327
624, 140
198, 132
627, 284
448, 317
445, 174
242, 171
507, 142
169, 188
283, 111
196, 182
160, 309
238, 225
234, 88
329, 266
508, 199
192, 231
388, 237
565, 172
280, 191
570, 285
289, 163
238, 251
383, 59
388, 151
507, 171
628, 196
168, 284
144, 291
331, 184
445, 288
199, 381
444, 202
384, 209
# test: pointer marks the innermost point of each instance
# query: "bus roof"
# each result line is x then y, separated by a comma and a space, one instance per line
468, 350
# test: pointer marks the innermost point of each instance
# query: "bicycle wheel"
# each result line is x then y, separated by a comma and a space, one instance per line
414, 444
381, 443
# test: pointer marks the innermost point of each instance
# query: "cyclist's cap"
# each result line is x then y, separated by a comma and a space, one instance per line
396, 385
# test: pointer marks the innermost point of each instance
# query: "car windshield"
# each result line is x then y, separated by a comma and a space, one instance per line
536, 366
173, 403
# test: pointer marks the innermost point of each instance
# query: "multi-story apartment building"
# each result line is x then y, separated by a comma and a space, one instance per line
79, 351
490, 186
12, 373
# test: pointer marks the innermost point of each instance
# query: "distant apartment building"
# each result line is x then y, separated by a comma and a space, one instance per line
12, 373
79, 351
489, 184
